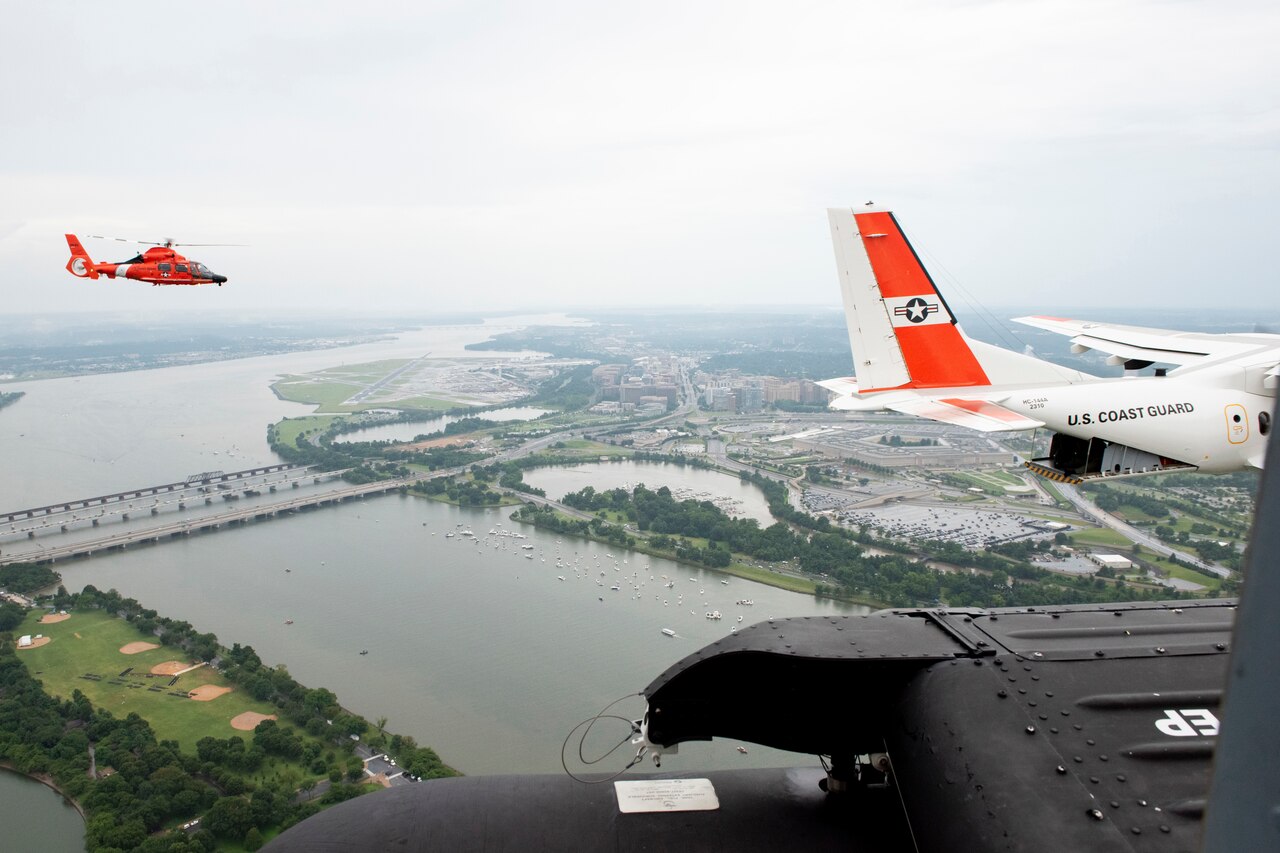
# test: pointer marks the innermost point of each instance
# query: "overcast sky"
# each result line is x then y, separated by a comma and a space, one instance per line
409, 158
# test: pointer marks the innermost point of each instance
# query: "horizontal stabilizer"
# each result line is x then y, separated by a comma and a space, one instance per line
980, 415
841, 385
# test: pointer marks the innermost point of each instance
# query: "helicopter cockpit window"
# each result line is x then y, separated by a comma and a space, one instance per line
182, 268
203, 271
164, 267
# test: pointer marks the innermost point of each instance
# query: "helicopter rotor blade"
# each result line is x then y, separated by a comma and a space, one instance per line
168, 243
124, 240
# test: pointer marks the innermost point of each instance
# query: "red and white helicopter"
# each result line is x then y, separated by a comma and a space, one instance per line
1211, 412
159, 265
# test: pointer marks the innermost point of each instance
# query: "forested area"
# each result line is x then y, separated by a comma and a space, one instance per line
152, 784
832, 555
26, 577
368, 461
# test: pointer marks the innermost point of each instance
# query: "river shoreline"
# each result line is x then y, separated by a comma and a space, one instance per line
47, 780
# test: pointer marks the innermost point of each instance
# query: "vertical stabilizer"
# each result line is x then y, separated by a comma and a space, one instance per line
80, 265
902, 333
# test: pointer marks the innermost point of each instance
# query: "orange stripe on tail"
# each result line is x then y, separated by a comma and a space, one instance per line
936, 355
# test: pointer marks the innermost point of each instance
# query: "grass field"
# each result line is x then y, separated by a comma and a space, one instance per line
981, 480
328, 395
288, 430
765, 576
1053, 492
1099, 536
580, 449
1186, 574
89, 643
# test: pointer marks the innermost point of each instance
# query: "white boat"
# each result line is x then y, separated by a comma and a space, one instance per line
449, 535
527, 547
713, 614
559, 577
668, 632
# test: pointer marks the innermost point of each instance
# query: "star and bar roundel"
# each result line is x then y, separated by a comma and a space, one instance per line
916, 310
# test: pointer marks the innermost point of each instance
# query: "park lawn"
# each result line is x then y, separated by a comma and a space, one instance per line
422, 403
1184, 521
611, 515
90, 641
1183, 573
584, 444
1099, 536
288, 430
326, 396
579, 449
765, 576
977, 481
1132, 514
1005, 477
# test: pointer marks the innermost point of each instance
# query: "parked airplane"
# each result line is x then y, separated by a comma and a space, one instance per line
1211, 412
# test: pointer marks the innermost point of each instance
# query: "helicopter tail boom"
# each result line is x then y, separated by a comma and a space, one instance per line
80, 265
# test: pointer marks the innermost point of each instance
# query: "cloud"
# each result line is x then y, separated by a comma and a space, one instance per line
569, 153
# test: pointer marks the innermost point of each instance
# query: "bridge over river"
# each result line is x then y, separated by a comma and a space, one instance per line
204, 502
215, 478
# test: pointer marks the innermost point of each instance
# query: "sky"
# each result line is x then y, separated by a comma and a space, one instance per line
396, 158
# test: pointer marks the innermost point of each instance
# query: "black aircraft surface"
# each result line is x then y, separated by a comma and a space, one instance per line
1075, 728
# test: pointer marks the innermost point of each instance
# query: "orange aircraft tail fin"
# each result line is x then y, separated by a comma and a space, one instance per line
80, 265
902, 332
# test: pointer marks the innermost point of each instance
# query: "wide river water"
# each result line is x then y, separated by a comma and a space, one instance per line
473, 647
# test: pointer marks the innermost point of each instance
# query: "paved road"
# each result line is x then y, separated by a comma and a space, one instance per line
1090, 510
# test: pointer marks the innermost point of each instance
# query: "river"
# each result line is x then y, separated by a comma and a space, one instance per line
474, 649
410, 431
36, 817
734, 496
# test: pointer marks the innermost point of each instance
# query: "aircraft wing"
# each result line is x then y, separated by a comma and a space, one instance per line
1157, 345
974, 413
981, 415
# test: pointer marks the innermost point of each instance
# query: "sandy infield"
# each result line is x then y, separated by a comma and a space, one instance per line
50, 618
248, 721
169, 667
35, 644
135, 648
209, 692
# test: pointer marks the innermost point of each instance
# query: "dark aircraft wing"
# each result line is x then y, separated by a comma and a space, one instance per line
1036, 729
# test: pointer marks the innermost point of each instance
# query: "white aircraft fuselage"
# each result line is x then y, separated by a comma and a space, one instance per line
1211, 412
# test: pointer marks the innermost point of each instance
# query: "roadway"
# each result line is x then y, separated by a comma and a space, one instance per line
186, 525
1091, 510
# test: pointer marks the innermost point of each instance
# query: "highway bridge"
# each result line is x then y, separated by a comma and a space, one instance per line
185, 526
206, 479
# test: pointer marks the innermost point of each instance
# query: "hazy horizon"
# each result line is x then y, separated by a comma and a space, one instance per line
448, 156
